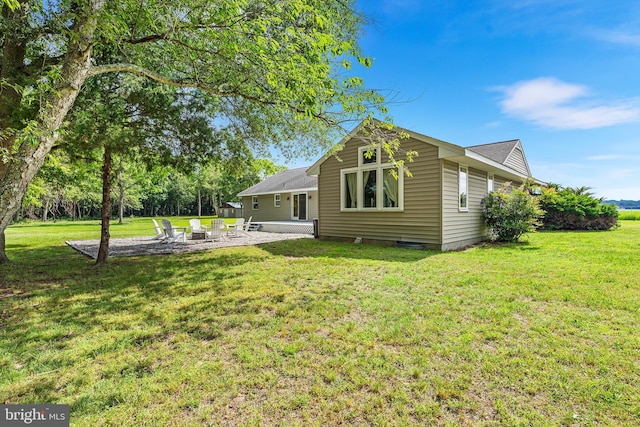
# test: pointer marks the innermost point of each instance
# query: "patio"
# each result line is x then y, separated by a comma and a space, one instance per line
135, 246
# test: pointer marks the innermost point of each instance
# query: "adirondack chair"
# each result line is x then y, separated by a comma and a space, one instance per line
198, 231
244, 228
196, 226
172, 232
232, 229
217, 230
159, 232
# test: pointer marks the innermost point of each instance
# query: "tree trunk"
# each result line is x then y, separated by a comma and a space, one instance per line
121, 211
16, 174
3, 256
103, 251
121, 191
45, 211
199, 204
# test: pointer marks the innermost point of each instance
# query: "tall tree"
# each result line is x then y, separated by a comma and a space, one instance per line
122, 117
278, 61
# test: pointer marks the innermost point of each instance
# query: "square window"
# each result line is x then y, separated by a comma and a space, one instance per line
368, 156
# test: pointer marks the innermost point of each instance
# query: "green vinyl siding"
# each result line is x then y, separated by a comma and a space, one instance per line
268, 212
420, 220
517, 161
462, 227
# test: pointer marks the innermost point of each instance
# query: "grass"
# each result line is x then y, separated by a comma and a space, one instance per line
629, 215
315, 333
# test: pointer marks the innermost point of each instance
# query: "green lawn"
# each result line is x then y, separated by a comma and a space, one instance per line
546, 332
631, 215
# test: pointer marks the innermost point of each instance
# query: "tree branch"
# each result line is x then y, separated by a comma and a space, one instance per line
184, 83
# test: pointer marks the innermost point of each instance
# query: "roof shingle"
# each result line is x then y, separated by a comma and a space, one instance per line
497, 151
285, 181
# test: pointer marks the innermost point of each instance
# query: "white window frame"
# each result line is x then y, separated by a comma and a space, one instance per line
362, 150
378, 168
466, 184
306, 196
490, 182
277, 200
254, 203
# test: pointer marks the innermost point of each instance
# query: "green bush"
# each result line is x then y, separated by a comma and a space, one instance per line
510, 212
576, 209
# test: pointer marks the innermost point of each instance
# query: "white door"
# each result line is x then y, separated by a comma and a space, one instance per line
299, 207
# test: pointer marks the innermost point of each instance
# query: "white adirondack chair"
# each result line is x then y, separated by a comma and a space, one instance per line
244, 228
232, 229
159, 232
196, 226
173, 233
217, 230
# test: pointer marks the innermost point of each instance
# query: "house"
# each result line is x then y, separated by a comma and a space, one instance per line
230, 210
438, 207
290, 195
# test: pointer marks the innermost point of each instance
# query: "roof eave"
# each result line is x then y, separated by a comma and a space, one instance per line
294, 190
473, 159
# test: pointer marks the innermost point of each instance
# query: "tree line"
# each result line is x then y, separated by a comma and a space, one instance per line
73, 190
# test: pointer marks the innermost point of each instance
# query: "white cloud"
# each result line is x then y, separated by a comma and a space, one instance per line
619, 37
551, 103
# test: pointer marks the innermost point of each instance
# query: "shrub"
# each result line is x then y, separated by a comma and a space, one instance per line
510, 214
576, 209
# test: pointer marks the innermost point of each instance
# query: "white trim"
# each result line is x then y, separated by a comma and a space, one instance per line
495, 165
446, 151
490, 180
255, 203
277, 200
379, 168
295, 190
306, 204
466, 171
364, 149
518, 145
343, 188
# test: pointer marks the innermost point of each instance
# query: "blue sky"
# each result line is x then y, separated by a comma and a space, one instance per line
560, 75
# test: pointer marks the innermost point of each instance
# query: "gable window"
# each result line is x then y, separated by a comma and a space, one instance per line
254, 203
372, 186
276, 200
463, 186
489, 182
367, 157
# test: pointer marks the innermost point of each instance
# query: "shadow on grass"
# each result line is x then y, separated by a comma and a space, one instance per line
502, 246
304, 248
70, 313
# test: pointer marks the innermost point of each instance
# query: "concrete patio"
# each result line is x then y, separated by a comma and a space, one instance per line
135, 246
